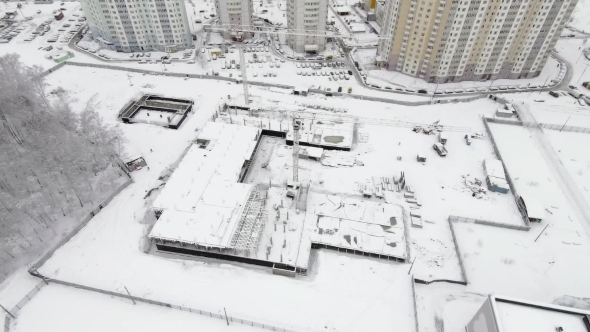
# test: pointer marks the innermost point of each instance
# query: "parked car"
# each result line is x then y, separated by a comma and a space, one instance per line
422, 91
554, 94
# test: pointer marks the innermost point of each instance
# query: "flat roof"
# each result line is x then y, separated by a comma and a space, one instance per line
517, 316
331, 133
494, 168
202, 200
355, 223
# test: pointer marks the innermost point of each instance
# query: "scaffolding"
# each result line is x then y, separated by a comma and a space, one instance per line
249, 229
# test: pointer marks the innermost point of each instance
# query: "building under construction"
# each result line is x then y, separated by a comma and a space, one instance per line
211, 207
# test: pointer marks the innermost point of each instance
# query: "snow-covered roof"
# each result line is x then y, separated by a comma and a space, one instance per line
357, 224
203, 197
342, 9
525, 316
494, 168
310, 151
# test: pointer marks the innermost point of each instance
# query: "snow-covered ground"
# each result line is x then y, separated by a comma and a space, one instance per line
110, 241
92, 257
571, 50
571, 147
533, 178
446, 305
564, 110
504, 261
580, 16
67, 309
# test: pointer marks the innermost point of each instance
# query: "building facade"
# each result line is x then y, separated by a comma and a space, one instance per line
234, 12
135, 26
456, 40
380, 12
309, 16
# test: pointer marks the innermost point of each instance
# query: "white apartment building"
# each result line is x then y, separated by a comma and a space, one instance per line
138, 25
307, 15
234, 12
456, 40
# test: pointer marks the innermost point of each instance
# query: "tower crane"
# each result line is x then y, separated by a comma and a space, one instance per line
296, 124
244, 77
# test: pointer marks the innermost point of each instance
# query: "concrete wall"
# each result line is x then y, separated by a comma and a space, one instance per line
484, 320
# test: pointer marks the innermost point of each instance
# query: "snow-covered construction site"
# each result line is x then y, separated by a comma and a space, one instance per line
317, 213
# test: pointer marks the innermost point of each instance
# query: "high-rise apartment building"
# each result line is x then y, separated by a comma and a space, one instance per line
138, 25
234, 12
455, 40
307, 15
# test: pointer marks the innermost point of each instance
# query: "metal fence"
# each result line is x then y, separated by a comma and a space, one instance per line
14, 311
560, 127
230, 319
414, 302
75, 231
458, 252
283, 86
489, 223
508, 177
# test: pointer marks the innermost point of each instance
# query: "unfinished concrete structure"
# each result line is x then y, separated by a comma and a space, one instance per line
216, 205
158, 110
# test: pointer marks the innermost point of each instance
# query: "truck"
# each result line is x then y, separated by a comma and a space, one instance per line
440, 149
442, 138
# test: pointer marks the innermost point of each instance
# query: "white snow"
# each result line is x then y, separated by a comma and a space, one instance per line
516, 318
580, 16
531, 175
571, 148
66, 309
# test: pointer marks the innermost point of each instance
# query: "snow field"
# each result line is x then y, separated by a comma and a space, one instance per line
505, 261
580, 16
106, 253
446, 305
561, 111
532, 176
68, 309
571, 149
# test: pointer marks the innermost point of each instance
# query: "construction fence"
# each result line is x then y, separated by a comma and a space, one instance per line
75, 231
489, 223
458, 252
227, 318
282, 86
508, 177
414, 303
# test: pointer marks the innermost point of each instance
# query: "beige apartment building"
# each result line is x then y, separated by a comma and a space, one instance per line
309, 16
454, 40
234, 13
